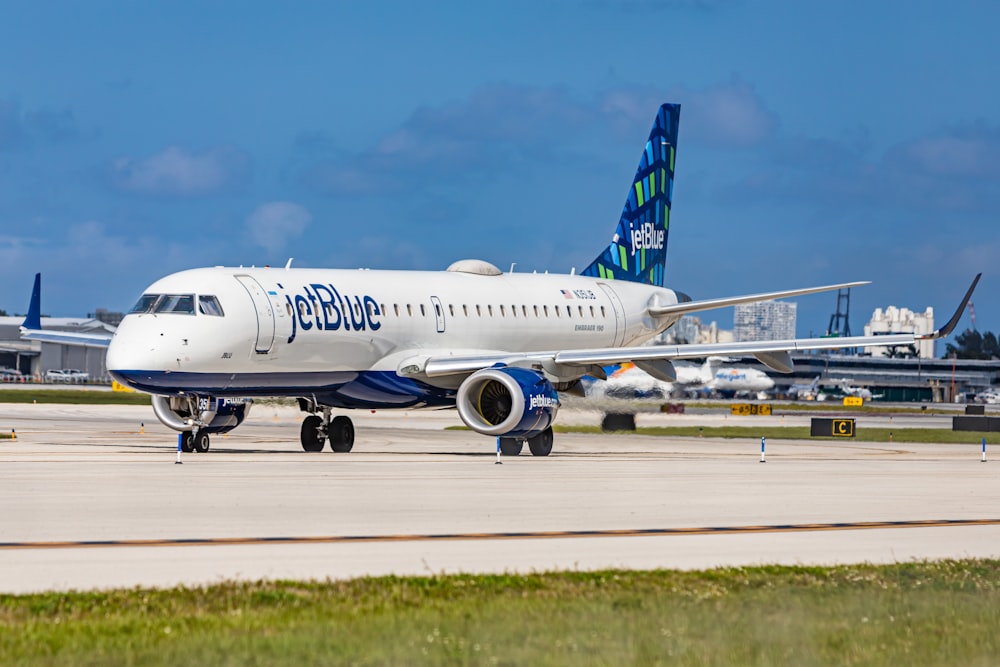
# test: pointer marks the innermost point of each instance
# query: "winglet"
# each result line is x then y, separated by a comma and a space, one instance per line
953, 322
34, 318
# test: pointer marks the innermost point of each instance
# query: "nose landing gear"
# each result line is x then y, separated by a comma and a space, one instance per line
195, 441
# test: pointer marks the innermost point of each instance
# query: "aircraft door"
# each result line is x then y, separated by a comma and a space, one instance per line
264, 312
616, 306
438, 313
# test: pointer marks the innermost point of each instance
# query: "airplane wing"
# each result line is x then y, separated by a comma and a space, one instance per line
688, 306
65, 337
775, 354
31, 329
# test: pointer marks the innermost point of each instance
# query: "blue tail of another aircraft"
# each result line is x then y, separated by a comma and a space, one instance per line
34, 317
638, 250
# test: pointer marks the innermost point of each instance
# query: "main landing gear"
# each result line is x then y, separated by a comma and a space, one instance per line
194, 441
316, 429
540, 445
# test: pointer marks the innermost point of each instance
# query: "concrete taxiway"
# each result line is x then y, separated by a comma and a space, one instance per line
91, 499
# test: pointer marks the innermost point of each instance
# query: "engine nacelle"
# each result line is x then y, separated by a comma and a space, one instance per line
207, 414
512, 402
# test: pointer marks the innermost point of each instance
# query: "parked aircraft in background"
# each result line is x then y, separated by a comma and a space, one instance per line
863, 393
498, 347
806, 392
990, 397
629, 381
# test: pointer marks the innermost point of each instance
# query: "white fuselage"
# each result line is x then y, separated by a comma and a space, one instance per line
287, 331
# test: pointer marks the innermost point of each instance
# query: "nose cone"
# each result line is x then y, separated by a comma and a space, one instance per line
123, 357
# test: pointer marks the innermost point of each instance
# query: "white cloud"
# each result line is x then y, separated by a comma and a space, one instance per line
176, 172
273, 223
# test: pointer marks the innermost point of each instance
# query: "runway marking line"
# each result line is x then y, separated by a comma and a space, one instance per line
554, 534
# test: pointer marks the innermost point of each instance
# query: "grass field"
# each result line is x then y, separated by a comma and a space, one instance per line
941, 613
73, 396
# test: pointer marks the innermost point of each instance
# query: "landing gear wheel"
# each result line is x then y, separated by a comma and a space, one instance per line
312, 435
201, 442
541, 444
511, 446
187, 442
341, 434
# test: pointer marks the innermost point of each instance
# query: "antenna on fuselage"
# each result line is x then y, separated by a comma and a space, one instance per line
288, 264
512, 265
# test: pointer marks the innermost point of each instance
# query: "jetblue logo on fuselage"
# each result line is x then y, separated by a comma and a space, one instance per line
647, 237
325, 308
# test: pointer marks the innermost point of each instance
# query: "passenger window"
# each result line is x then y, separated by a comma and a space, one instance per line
545, 309
602, 311
451, 309
479, 311
536, 311
395, 307
591, 311
209, 305
581, 310
423, 313
409, 310
288, 307
176, 303
465, 310
490, 309
569, 311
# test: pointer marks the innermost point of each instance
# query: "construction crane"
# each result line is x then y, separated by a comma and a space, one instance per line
839, 322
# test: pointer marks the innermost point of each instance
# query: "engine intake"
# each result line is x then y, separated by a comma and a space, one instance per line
513, 402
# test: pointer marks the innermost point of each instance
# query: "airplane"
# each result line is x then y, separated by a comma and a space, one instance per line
990, 397
863, 393
629, 381
805, 392
498, 347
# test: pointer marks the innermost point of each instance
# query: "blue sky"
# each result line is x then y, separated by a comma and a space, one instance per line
819, 142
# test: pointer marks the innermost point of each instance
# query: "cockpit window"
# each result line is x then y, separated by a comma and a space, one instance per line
175, 303
209, 305
145, 303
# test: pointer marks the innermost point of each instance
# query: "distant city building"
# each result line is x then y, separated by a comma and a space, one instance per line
894, 320
689, 329
765, 320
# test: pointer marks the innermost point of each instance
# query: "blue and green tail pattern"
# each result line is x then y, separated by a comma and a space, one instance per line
638, 250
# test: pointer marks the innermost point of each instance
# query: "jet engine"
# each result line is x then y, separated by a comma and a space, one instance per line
511, 402
206, 414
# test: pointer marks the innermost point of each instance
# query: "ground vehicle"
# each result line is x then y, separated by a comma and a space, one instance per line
69, 375
10, 375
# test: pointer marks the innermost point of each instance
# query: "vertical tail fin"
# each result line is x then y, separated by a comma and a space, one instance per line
638, 250
34, 318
